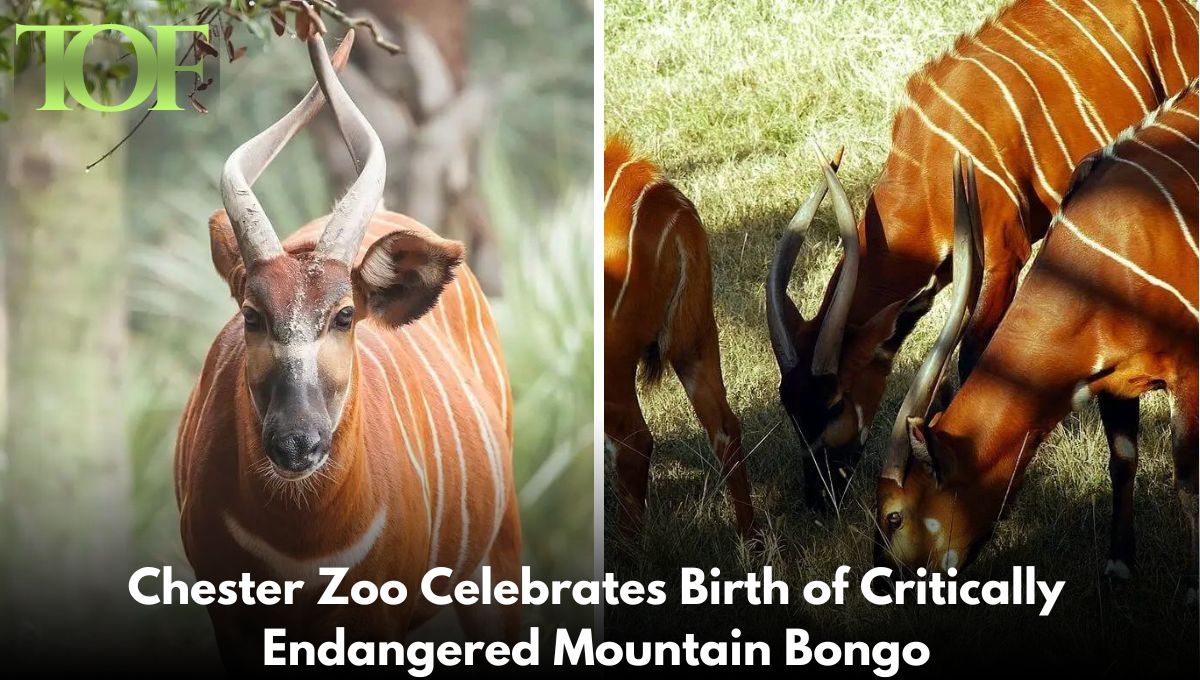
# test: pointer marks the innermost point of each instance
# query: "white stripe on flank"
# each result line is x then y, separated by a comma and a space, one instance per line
973, 123
485, 430
637, 207
291, 568
1121, 39
1160, 153
464, 519
1138, 271
1189, 10
673, 303
1016, 112
616, 178
1163, 126
663, 239
1150, 41
417, 468
1108, 57
446, 325
1183, 74
1187, 113
435, 537
1091, 118
466, 326
487, 346
458, 447
966, 153
1179, 218
1041, 103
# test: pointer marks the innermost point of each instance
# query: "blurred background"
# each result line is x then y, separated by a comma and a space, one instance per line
111, 300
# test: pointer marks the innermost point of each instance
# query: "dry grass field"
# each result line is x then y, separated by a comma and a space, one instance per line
730, 98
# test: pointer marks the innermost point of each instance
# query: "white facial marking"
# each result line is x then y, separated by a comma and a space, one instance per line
1081, 397
933, 526
1117, 569
1124, 448
288, 567
950, 561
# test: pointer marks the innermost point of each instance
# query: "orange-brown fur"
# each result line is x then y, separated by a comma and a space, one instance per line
219, 446
906, 229
1081, 321
664, 316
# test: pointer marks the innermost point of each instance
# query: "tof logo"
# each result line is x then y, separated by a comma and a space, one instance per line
156, 66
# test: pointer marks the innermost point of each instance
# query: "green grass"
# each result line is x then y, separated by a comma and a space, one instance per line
731, 100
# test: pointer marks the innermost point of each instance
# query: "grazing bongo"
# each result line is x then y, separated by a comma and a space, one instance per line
1109, 309
1027, 96
355, 413
658, 310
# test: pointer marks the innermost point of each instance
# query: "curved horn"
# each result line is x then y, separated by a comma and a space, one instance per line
915, 407
829, 341
786, 252
255, 236
348, 222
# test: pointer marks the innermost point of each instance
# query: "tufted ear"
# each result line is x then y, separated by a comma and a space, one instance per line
403, 273
225, 254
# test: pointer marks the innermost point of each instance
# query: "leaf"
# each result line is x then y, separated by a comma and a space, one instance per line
237, 54
278, 22
228, 30
120, 70
205, 47
205, 85
196, 104
3, 117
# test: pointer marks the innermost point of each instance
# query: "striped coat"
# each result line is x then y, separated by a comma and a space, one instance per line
420, 474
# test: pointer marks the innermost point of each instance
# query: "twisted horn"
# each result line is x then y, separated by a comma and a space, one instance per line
828, 349
786, 252
347, 224
255, 235
915, 407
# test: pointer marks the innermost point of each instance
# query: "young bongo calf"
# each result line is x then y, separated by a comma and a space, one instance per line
658, 308
1108, 308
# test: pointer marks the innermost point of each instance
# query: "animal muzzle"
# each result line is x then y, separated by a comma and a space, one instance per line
296, 453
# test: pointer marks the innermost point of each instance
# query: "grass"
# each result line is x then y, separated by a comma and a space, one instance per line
731, 100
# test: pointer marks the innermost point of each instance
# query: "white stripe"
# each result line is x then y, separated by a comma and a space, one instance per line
616, 178
464, 519
637, 207
1179, 218
1016, 112
1156, 150
487, 346
462, 305
1174, 45
485, 431
966, 153
446, 326
1121, 39
1087, 112
1163, 126
673, 303
663, 239
1189, 11
1108, 57
1041, 102
435, 536
1138, 271
1187, 113
458, 447
974, 123
291, 568
1150, 41
417, 467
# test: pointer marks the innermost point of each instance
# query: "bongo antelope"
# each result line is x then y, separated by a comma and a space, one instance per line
1026, 97
1109, 308
355, 413
658, 310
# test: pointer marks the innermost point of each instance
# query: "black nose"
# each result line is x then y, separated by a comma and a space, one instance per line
297, 451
